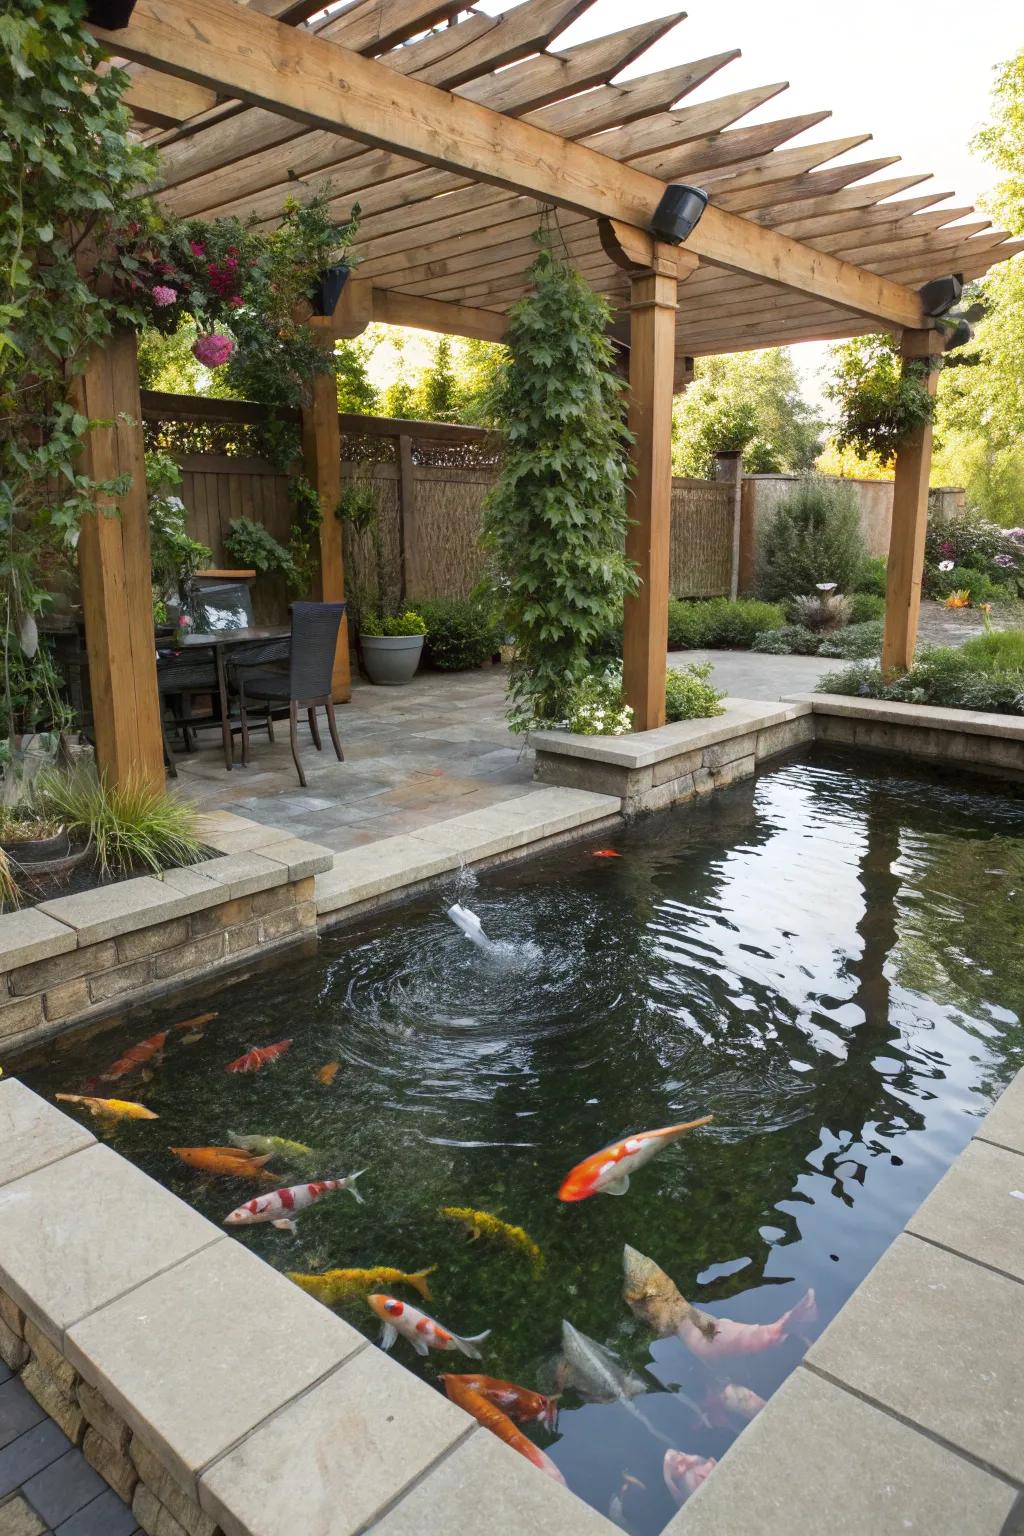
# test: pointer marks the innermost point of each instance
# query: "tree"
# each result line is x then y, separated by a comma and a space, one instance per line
480, 364
879, 399
438, 393
750, 403
356, 392
555, 523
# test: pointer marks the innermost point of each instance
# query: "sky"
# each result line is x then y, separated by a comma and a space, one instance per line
915, 74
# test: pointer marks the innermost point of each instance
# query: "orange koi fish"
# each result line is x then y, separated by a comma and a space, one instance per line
327, 1074
607, 1172
199, 1022
732, 1338
279, 1206
521, 1405
684, 1474
605, 853
228, 1161
112, 1109
252, 1061
492, 1418
401, 1317
140, 1055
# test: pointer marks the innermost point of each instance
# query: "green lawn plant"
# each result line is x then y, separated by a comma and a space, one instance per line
555, 523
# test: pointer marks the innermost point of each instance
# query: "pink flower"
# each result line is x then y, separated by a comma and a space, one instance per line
184, 622
197, 248
213, 351
162, 296
236, 301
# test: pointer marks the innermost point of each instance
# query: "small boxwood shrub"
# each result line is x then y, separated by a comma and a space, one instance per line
872, 576
790, 640
461, 633
717, 623
865, 606
690, 696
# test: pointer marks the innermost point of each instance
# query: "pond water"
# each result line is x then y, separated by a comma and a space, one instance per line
827, 959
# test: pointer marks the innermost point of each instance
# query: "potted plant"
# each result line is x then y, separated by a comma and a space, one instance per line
309, 238
391, 646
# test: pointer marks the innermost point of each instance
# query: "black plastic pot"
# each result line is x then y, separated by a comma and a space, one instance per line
328, 288
44, 855
111, 14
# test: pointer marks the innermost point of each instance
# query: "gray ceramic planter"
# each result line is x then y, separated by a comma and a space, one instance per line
391, 659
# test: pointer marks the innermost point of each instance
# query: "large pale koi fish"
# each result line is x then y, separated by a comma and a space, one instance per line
733, 1338
491, 1417
521, 1405
281, 1204
598, 1374
422, 1332
684, 1474
607, 1172
734, 1399
138, 1056
110, 1109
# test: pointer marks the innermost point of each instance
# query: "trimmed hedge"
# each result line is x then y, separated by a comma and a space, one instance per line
717, 623
461, 633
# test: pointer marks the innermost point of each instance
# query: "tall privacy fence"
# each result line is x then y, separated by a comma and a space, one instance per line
430, 480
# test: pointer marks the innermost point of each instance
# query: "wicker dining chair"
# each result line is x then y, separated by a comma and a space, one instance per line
180, 677
305, 685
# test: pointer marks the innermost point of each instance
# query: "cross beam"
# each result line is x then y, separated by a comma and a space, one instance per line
239, 53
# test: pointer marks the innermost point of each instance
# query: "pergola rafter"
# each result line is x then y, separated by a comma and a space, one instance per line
456, 138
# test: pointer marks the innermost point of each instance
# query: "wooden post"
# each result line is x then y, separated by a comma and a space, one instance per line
115, 574
321, 451
729, 470
909, 522
651, 363
407, 531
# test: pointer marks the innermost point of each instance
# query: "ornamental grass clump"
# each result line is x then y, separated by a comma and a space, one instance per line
128, 826
555, 523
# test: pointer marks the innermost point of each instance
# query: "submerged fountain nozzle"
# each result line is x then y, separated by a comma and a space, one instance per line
469, 923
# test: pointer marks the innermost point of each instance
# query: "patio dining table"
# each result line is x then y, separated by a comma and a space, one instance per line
221, 641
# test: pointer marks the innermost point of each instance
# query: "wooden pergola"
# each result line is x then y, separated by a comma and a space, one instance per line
453, 141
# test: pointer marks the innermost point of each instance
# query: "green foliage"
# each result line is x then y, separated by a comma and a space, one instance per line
986, 557
952, 679
174, 557
871, 578
254, 548
595, 706
461, 633
303, 541
407, 623
358, 508
1001, 142
879, 399
128, 826
865, 606
821, 611
748, 403
814, 537
356, 391
438, 396
849, 643
1000, 650
941, 584
790, 640
480, 365
33, 698
555, 523
689, 695
717, 623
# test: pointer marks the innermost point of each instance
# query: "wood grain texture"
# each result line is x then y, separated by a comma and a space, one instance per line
909, 523
321, 452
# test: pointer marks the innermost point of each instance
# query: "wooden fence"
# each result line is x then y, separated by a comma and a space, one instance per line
429, 480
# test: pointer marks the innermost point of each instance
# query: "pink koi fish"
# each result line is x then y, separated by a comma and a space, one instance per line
684, 1474
731, 1338
734, 1399
401, 1317
607, 1172
280, 1204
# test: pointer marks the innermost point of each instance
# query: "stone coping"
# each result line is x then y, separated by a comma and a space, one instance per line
905, 1415
643, 749
263, 1406
972, 722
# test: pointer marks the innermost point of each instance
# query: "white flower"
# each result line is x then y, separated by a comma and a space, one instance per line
826, 586
945, 565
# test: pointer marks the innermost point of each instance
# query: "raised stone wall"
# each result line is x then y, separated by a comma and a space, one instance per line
967, 738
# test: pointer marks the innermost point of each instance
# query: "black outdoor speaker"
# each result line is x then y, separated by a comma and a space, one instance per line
958, 335
678, 213
939, 296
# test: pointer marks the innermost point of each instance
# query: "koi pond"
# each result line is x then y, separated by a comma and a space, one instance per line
826, 959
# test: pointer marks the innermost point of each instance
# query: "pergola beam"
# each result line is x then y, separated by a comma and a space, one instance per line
217, 44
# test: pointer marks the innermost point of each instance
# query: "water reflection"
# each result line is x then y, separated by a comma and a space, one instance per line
827, 959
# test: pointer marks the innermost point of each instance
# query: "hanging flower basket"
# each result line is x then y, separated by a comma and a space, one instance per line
111, 14
327, 291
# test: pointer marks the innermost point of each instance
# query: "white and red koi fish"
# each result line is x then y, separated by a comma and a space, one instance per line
280, 1205
253, 1060
607, 1172
684, 1474
401, 1317
741, 1401
732, 1338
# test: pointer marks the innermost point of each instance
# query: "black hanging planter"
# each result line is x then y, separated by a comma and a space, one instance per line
328, 288
110, 14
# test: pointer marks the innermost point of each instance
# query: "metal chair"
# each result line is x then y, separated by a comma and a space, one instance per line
305, 685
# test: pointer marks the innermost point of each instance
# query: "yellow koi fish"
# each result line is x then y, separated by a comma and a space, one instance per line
482, 1224
336, 1285
113, 1109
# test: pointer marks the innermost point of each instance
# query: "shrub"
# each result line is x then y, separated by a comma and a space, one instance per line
821, 611
943, 676
865, 606
407, 623
461, 634
962, 578
690, 696
814, 536
596, 706
128, 826
871, 577
790, 640
970, 540
719, 623
254, 548
854, 642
